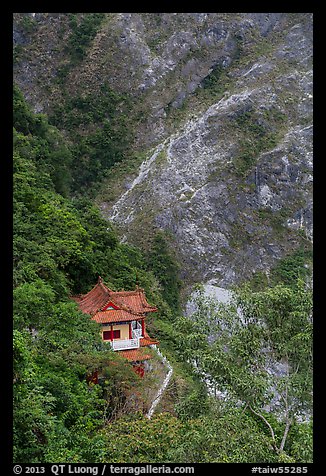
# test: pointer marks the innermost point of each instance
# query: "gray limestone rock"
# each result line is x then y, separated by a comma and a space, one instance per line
226, 103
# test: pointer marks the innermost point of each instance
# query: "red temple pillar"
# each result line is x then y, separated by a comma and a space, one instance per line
143, 327
130, 333
111, 333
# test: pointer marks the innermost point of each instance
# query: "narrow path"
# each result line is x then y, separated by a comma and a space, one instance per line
165, 383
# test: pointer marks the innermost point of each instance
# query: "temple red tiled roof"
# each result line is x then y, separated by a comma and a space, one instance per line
107, 306
145, 341
133, 300
115, 315
100, 296
134, 355
94, 300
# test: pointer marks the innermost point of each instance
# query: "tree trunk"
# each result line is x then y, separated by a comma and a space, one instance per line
286, 431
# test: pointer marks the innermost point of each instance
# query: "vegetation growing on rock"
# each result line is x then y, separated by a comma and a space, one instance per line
223, 100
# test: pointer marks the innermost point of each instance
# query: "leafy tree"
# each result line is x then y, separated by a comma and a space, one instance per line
82, 34
134, 438
36, 140
61, 245
242, 347
24, 120
226, 434
300, 442
166, 269
32, 422
33, 302
292, 267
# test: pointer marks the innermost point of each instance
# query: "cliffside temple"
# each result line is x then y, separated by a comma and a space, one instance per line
121, 315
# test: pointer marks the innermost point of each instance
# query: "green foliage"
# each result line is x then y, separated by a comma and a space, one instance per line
300, 443
213, 86
287, 315
103, 114
97, 152
32, 422
137, 439
28, 24
23, 119
36, 140
212, 79
82, 34
259, 134
259, 281
235, 352
60, 247
84, 160
225, 435
87, 108
295, 265
166, 269
193, 404
222, 436
22, 368
32, 303
83, 30
239, 49
17, 53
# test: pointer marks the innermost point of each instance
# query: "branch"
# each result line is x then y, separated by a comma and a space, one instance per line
267, 423
245, 407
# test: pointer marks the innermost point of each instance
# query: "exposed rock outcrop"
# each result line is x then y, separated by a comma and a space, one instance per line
222, 106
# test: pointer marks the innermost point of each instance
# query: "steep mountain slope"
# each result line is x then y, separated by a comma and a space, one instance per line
188, 131
218, 105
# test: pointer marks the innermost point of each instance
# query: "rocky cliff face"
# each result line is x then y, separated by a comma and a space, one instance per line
221, 107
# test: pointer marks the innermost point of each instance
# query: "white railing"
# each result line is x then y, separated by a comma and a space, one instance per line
136, 333
125, 344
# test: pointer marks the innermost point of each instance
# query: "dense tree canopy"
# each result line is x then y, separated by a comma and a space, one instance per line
61, 245
257, 349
